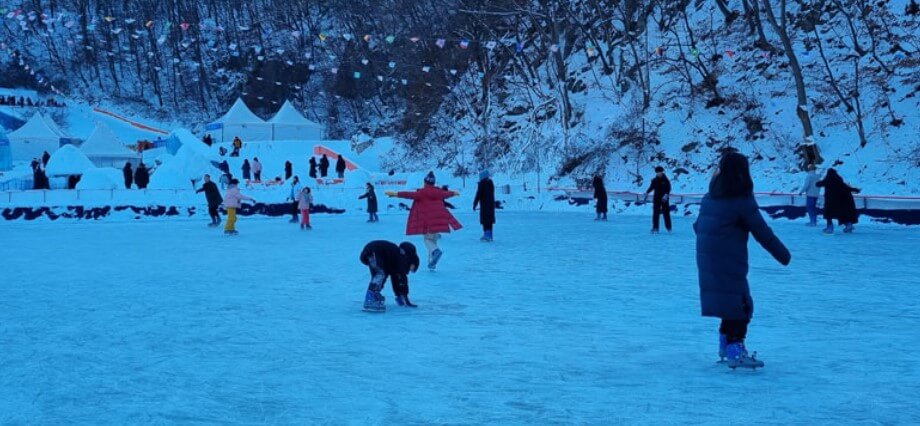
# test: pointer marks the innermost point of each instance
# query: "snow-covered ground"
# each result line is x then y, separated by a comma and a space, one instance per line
561, 320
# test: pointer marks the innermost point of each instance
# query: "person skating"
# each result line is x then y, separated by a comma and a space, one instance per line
600, 194
728, 214
429, 217
485, 201
233, 200
247, 175
340, 167
812, 192
385, 259
838, 202
296, 187
312, 167
288, 170
371, 198
661, 187
129, 175
257, 169
304, 202
212, 195
324, 166
141, 176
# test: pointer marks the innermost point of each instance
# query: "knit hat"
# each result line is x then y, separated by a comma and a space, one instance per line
408, 250
659, 169
429, 178
483, 175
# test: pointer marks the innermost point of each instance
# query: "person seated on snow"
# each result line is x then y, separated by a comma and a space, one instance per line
386, 259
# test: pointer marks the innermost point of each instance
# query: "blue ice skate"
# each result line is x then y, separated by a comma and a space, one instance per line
435, 257
374, 302
723, 342
399, 301
738, 357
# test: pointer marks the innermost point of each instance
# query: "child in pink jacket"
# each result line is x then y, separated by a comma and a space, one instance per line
304, 202
233, 199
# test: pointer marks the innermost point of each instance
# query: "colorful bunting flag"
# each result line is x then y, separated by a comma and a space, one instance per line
357, 75
440, 42
392, 64
414, 39
491, 45
464, 44
390, 39
426, 69
367, 38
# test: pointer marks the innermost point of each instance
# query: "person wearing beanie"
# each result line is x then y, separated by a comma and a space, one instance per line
600, 194
661, 187
728, 214
429, 216
812, 192
485, 201
838, 202
386, 259
233, 200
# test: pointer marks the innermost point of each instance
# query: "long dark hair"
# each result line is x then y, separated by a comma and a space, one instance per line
734, 177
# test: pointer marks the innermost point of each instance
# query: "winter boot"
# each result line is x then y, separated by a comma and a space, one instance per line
723, 342
738, 357
408, 303
399, 301
374, 302
435, 257
829, 230
848, 229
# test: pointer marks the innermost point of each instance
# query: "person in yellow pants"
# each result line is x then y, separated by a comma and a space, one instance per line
233, 199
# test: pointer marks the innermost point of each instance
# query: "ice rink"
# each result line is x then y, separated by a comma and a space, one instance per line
561, 320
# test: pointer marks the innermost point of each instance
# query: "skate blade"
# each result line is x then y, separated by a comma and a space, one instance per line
374, 311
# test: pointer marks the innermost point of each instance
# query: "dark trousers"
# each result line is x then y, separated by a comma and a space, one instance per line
212, 211
294, 210
734, 330
258, 176
661, 207
487, 227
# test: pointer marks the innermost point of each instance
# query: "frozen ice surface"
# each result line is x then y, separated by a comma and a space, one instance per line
560, 320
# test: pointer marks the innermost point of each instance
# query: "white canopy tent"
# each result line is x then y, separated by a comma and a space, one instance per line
38, 135
240, 121
105, 149
290, 124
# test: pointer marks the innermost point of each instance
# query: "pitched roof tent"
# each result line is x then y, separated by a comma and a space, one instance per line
239, 113
104, 142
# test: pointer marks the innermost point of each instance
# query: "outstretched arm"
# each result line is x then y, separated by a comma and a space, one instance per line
754, 222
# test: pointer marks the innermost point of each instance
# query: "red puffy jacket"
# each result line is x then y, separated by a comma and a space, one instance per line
428, 214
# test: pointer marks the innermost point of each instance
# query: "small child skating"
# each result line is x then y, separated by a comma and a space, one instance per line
728, 214
233, 199
385, 259
304, 203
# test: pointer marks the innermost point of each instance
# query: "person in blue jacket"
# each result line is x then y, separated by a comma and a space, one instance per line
728, 214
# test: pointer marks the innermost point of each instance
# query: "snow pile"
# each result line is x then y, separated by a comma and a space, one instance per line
177, 172
68, 160
101, 178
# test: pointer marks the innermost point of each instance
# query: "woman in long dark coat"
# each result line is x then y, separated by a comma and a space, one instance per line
485, 200
371, 197
141, 176
129, 175
246, 170
838, 202
728, 214
600, 194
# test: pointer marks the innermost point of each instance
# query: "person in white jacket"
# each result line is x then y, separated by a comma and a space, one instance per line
296, 187
811, 192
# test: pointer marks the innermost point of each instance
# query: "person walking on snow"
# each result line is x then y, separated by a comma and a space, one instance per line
838, 202
428, 216
246, 170
129, 175
728, 214
257, 169
141, 176
340, 167
485, 201
312, 167
600, 194
324, 166
304, 202
385, 259
212, 195
296, 187
661, 187
812, 192
371, 197
233, 200
237, 146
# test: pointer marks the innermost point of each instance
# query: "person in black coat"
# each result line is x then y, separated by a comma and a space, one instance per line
141, 176
661, 187
385, 259
313, 167
371, 197
600, 194
246, 170
485, 201
288, 170
45, 158
340, 167
838, 202
129, 175
728, 214
324, 166
212, 194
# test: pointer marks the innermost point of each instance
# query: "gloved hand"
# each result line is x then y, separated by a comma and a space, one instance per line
390, 193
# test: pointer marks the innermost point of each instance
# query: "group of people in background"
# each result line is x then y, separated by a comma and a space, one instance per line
139, 177
23, 101
839, 203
